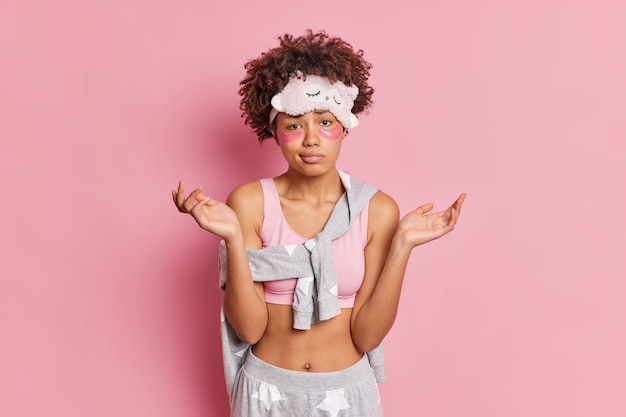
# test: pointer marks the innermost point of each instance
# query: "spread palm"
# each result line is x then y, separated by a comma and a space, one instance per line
420, 226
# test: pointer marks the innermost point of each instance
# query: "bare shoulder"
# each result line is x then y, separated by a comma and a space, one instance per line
383, 208
383, 216
245, 195
247, 201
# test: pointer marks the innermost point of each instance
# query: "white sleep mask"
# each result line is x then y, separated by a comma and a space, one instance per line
316, 93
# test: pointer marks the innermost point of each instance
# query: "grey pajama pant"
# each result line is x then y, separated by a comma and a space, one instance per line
264, 390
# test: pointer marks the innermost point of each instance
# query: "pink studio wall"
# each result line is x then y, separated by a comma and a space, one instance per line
108, 298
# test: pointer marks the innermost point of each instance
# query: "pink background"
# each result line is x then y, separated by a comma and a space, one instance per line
108, 297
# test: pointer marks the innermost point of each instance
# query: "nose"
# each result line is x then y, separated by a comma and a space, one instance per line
311, 137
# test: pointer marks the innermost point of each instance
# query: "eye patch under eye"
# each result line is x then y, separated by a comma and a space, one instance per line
331, 133
287, 137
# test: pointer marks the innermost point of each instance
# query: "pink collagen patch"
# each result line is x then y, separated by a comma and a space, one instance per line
332, 133
287, 137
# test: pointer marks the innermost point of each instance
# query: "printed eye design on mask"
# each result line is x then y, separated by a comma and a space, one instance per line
314, 92
321, 94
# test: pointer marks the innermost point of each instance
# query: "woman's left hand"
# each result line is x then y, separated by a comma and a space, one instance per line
420, 226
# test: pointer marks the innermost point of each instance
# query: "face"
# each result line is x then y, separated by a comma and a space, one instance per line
310, 142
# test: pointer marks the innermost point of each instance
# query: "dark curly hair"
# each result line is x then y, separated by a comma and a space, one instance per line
314, 53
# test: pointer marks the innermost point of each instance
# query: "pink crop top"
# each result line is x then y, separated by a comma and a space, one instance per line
347, 251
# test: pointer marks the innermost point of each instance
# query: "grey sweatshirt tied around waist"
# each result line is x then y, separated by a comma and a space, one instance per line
315, 297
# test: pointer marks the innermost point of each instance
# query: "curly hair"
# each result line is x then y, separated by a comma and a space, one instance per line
313, 54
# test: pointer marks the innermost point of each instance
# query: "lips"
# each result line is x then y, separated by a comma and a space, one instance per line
311, 158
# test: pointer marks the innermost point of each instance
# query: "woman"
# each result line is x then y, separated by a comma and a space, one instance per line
308, 351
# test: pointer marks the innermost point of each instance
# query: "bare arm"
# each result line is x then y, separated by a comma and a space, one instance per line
244, 300
238, 222
386, 257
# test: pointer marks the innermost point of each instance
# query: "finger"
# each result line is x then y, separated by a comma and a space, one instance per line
194, 194
180, 195
454, 215
178, 199
199, 206
191, 200
455, 208
459, 201
204, 201
423, 209
181, 187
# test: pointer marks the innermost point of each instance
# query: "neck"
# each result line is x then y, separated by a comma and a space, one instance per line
327, 187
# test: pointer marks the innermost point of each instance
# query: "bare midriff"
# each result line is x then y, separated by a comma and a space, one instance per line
326, 347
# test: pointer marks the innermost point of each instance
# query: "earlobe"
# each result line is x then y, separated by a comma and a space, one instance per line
272, 129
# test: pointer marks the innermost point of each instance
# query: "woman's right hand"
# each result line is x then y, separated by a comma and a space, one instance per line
211, 215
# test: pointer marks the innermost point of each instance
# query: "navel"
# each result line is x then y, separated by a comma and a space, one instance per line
307, 367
